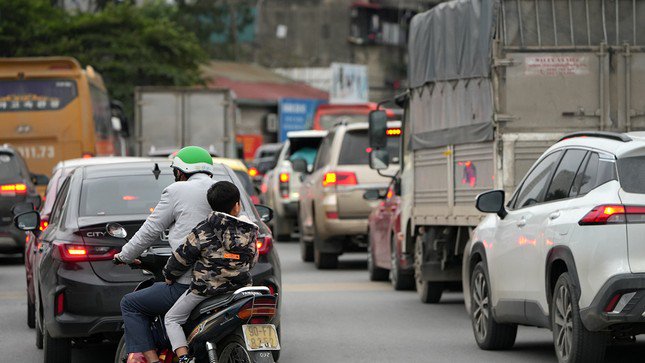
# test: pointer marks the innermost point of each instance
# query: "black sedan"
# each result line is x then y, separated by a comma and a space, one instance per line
78, 288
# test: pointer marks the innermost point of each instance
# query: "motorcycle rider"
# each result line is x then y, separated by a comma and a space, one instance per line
182, 206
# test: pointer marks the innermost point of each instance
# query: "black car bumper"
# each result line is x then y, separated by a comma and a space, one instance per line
628, 316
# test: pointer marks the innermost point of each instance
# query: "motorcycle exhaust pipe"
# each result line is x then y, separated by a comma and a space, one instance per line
212, 353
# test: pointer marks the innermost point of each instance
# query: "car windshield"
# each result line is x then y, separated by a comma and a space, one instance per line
356, 148
8, 166
631, 172
327, 122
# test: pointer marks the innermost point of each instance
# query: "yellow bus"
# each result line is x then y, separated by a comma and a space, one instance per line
51, 109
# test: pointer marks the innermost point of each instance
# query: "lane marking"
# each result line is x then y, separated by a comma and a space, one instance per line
337, 287
12, 295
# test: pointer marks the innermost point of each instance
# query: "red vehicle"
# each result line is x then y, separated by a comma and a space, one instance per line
385, 259
327, 115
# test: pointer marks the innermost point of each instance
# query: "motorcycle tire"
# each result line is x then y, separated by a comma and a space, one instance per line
233, 350
121, 356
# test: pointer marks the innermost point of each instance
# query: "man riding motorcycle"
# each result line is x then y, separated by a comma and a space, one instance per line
182, 206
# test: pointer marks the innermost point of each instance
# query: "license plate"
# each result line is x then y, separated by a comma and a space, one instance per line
261, 337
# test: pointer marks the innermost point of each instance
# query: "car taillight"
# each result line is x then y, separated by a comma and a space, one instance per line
334, 178
393, 132
264, 244
262, 306
253, 172
88, 155
69, 252
613, 214
284, 184
59, 307
255, 199
13, 189
43, 224
331, 215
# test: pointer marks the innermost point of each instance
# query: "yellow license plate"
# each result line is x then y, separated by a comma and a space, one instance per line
261, 337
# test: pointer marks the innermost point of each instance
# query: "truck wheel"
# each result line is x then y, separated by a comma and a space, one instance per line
488, 333
429, 292
376, 273
573, 342
325, 261
56, 350
401, 280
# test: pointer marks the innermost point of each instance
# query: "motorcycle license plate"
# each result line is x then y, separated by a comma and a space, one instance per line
261, 337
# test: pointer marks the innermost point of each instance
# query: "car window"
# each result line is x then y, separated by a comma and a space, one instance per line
9, 167
322, 158
533, 188
631, 171
586, 176
59, 204
564, 175
356, 148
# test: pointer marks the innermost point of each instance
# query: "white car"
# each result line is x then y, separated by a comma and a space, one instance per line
567, 252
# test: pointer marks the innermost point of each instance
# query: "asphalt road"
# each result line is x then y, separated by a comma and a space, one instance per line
328, 316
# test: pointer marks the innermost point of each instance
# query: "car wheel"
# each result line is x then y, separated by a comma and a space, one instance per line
489, 334
325, 261
400, 280
306, 248
429, 291
56, 350
573, 342
39, 331
376, 273
31, 314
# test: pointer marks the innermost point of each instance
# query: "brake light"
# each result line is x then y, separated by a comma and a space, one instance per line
253, 172
284, 184
59, 307
87, 155
331, 215
68, 252
604, 214
13, 189
334, 178
262, 306
393, 132
284, 177
129, 198
264, 244
43, 224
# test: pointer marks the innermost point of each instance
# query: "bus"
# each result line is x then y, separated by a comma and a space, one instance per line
53, 109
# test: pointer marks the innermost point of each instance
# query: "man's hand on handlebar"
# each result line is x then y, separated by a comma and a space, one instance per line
117, 261
169, 282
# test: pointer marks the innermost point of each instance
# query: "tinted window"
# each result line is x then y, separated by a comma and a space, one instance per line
356, 147
101, 112
59, 204
322, 158
533, 188
632, 174
586, 178
564, 175
246, 181
36, 95
9, 167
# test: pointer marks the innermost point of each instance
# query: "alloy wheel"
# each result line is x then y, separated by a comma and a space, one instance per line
563, 322
481, 312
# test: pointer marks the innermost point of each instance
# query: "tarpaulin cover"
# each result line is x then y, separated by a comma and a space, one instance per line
451, 99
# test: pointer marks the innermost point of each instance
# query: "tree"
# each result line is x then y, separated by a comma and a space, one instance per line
129, 45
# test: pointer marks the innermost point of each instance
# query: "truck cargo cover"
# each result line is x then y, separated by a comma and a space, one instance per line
450, 52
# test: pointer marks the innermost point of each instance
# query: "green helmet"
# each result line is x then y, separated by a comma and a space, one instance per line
193, 159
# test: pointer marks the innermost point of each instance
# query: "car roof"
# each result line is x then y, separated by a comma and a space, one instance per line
610, 143
137, 168
306, 134
235, 164
365, 125
75, 163
6, 148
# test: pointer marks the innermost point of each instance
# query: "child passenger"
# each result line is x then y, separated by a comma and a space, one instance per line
221, 250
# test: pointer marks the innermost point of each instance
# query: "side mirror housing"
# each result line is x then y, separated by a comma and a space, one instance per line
266, 213
39, 179
300, 165
397, 186
27, 221
377, 129
492, 202
372, 194
379, 159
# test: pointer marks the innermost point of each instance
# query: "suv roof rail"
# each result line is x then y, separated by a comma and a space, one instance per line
602, 134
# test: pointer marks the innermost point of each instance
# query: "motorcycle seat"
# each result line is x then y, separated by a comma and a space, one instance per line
225, 299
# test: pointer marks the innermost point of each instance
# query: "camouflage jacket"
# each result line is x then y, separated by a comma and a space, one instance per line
222, 251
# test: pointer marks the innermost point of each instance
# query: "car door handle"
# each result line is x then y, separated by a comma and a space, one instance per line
554, 215
521, 223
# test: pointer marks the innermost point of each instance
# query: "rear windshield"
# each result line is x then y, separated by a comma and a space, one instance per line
355, 149
9, 167
36, 95
327, 122
631, 172
246, 181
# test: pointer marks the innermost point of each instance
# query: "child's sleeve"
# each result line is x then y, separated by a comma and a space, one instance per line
184, 257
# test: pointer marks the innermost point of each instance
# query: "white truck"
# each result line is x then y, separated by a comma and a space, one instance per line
283, 183
169, 118
492, 84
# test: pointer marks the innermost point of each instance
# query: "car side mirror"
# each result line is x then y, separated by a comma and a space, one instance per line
39, 179
266, 213
397, 186
300, 165
492, 202
377, 129
379, 159
372, 194
27, 221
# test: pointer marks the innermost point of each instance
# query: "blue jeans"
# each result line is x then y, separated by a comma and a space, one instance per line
140, 307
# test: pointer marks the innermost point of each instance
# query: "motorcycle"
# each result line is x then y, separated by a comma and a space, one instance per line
234, 327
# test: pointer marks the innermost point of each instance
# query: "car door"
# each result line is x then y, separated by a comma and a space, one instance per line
514, 235
308, 187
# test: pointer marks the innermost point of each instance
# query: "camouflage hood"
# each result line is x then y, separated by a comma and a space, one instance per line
221, 250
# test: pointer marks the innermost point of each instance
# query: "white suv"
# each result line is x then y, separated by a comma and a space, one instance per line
567, 252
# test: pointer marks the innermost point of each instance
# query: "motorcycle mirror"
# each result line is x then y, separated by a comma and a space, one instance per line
116, 230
